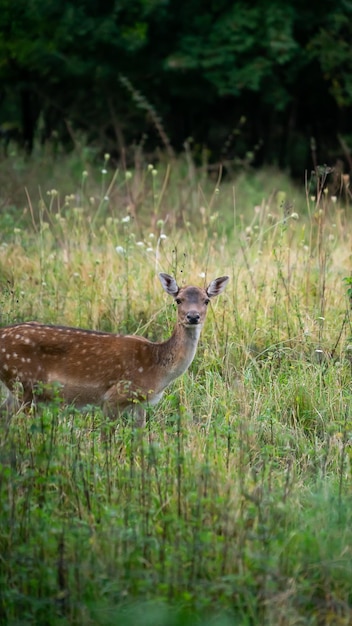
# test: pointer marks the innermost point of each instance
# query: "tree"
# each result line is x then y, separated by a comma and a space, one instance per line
264, 73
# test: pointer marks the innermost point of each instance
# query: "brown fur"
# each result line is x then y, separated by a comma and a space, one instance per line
91, 367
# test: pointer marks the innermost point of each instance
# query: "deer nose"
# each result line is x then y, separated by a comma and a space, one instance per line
193, 317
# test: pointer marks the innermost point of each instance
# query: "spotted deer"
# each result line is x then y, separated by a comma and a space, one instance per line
90, 367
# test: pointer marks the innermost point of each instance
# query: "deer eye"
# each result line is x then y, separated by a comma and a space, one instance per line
206, 302
178, 300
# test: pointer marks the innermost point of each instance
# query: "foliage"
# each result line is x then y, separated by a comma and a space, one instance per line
330, 46
241, 48
284, 70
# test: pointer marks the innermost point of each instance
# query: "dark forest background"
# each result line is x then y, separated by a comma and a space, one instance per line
268, 82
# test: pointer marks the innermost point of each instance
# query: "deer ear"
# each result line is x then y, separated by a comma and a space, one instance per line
217, 286
169, 284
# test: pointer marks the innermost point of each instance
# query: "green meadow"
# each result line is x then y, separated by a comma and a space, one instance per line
234, 504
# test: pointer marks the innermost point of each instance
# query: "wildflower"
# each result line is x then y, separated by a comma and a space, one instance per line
106, 157
126, 219
162, 236
84, 174
120, 250
140, 244
104, 171
128, 175
294, 216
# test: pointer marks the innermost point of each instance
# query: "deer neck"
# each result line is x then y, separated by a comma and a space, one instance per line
177, 353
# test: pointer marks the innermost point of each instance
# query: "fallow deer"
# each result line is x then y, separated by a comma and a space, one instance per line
97, 368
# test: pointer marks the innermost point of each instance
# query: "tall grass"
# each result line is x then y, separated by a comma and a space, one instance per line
233, 505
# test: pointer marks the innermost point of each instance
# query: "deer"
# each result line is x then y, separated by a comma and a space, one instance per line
91, 367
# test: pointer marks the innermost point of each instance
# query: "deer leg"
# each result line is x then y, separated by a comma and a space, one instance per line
19, 397
9, 406
138, 414
117, 400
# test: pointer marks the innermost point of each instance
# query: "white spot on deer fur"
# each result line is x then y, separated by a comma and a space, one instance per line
140, 369
3, 349
8, 355
15, 355
5, 367
17, 336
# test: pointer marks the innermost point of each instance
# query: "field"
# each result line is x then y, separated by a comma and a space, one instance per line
233, 505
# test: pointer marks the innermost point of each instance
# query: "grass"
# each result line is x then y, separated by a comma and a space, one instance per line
234, 504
